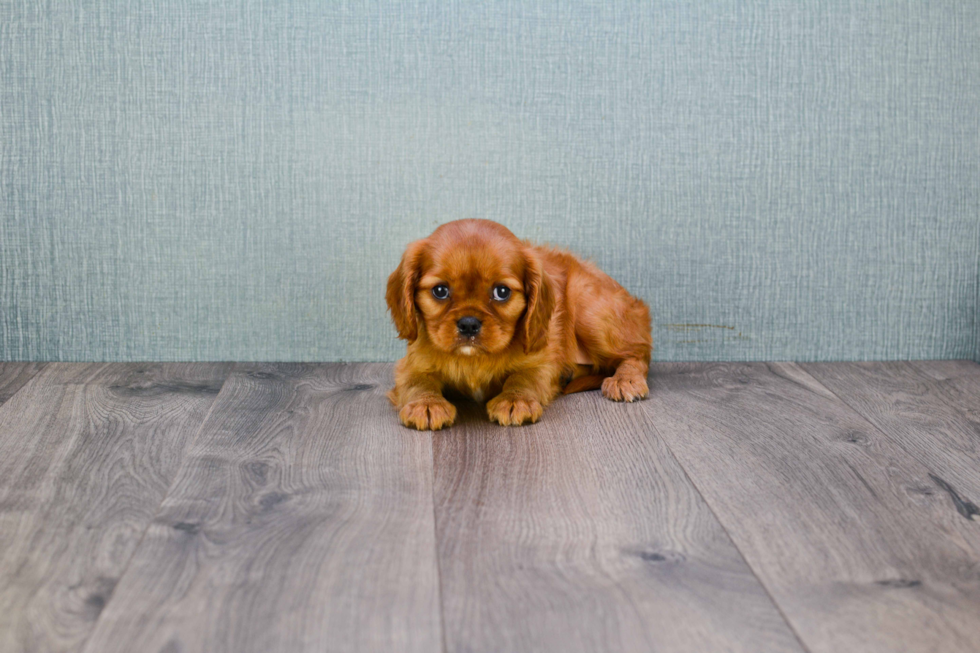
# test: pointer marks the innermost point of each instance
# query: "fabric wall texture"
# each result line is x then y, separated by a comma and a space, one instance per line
234, 180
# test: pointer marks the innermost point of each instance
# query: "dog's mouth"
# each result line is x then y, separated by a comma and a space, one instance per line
468, 346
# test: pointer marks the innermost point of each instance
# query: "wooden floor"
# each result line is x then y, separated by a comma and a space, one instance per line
742, 507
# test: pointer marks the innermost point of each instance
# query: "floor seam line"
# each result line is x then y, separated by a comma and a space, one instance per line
874, 425
26, 383
139, 544
755, 574
435, 543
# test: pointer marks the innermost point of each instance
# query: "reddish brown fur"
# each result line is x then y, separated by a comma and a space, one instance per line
564, 320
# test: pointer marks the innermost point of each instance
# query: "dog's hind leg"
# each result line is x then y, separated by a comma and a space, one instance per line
614, 330
629, 383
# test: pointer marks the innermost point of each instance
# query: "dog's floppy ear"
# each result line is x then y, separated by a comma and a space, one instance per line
401, 291
540, 303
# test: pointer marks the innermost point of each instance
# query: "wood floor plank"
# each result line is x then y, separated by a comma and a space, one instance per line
87, 452
14, 375
582, 533
931, 409
840, 523
942, 370
301, 520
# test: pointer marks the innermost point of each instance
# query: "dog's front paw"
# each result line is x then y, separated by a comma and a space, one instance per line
428, 414
625, 388
514, 410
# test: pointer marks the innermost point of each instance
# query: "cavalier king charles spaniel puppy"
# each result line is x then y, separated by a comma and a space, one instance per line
492, 317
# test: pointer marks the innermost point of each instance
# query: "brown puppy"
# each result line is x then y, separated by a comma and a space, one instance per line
497, 318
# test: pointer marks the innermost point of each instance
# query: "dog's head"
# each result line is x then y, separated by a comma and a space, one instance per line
474, 288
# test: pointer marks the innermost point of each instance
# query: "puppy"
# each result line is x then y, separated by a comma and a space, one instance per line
494, 317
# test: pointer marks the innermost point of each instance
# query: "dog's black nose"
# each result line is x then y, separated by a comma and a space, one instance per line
469, 326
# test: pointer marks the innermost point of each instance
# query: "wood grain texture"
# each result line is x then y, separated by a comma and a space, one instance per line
930, 409
581, 533
952, 369
14, 375
301, 520
87, 452
845, 529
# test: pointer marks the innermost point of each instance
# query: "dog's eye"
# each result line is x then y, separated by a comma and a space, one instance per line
441, 291
501, 293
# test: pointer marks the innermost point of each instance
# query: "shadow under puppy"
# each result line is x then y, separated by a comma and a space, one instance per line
494, 317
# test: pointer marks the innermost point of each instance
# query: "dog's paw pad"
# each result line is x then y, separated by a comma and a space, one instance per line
625, 388
514, 410
428, 414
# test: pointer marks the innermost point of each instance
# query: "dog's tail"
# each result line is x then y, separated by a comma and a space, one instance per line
583, 383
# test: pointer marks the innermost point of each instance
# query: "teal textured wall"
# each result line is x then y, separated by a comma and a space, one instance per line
234, 180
